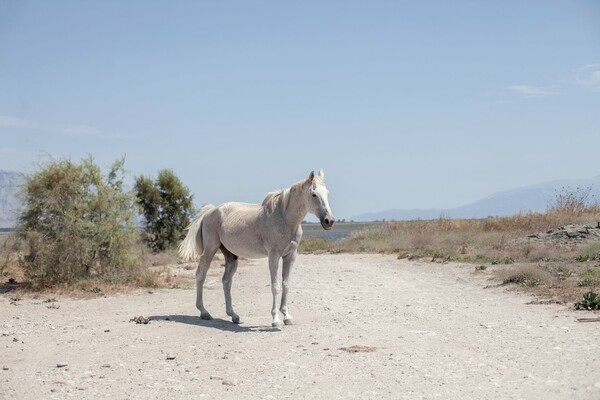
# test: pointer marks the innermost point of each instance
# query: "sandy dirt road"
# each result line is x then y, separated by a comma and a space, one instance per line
420, 331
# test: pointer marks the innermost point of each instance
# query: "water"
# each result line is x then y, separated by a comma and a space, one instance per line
340, 230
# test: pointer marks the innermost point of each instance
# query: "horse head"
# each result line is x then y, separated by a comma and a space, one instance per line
316, 199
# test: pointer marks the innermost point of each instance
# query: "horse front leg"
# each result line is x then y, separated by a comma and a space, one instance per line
288, 262
275, 287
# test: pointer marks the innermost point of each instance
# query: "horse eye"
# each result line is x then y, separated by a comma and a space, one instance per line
314, 195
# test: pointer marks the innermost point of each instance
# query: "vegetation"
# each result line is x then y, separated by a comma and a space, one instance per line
492, 240
572, 201
525, 275
589, 301
314, 245
76, 224
505, 247
167, 208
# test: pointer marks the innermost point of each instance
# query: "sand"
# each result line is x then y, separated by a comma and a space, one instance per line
367, 326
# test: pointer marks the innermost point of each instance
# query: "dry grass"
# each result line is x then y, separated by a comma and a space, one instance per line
526, 275
484, 240
555, 282
154, 270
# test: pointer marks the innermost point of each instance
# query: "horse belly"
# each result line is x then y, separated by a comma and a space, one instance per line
244, 247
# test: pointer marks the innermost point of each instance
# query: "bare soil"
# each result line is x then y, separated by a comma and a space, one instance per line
367, 326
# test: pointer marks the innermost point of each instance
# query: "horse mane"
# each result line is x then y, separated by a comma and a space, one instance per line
282, 196
273, 199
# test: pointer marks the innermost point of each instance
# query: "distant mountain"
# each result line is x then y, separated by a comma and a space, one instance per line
10, 184
509, 202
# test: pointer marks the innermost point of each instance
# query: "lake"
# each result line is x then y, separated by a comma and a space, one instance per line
340, 230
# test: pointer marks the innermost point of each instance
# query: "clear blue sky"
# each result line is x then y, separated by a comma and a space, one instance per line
405, 104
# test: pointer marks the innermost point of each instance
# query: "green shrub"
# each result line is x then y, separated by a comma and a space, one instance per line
589, 301
167, 208
76, 223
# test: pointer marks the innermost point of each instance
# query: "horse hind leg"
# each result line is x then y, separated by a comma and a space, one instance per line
231, 264
203, 266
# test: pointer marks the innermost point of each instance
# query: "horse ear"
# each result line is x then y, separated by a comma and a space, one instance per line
311, 176
321, 173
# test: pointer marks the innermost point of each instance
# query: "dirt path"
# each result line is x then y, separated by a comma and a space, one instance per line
420, 331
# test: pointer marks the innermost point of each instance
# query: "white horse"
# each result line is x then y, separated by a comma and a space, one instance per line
255, 231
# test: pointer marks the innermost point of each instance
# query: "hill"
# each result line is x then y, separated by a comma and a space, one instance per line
509, 202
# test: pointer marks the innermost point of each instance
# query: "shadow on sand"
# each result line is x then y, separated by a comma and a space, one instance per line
216, 323
8, 287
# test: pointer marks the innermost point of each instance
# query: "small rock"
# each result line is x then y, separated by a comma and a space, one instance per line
227, 382
107, 330
215, 378
15, 339
61, 365
358, 349
105, 365
140, 320
170, 356
5, 368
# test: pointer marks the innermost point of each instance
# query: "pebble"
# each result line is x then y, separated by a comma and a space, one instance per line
227, 382
170, 356
5, 368
61, 365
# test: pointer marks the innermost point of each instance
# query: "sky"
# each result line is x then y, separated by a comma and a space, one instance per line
404, 104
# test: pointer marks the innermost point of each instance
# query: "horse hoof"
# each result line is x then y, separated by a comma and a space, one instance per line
277, 324
236, 320
206, 316
288, 321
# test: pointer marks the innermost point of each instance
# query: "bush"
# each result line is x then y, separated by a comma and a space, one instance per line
76, 223
167, 208
589, 301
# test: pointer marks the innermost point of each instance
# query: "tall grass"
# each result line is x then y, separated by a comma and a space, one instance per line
478, 240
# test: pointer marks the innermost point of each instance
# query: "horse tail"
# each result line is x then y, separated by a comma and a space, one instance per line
191, 247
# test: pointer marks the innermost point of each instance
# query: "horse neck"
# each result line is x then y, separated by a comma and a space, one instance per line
296, 210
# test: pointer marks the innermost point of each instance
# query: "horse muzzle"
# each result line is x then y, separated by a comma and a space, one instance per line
327, 223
